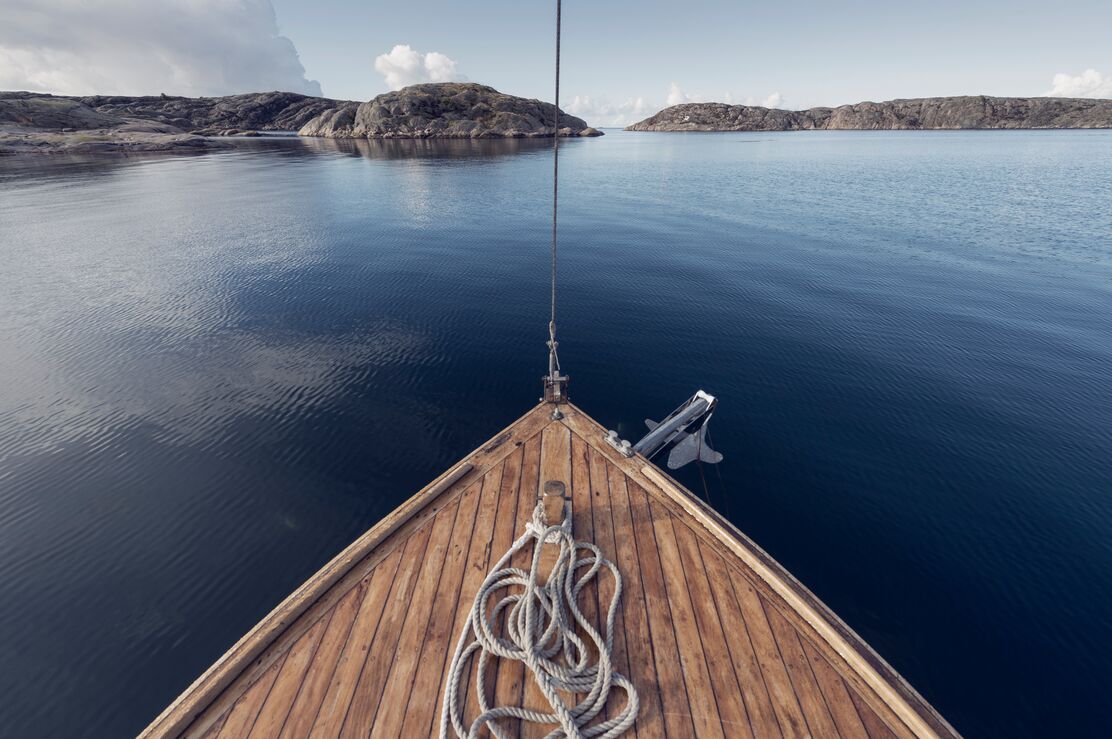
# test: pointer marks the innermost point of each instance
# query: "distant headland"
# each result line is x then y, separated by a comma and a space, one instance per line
38, 122
916, 114
444, 110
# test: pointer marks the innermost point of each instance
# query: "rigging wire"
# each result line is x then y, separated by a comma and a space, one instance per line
699, 462
721, 482
553, 359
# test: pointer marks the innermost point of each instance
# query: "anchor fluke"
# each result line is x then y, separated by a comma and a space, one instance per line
686, 427
691, 447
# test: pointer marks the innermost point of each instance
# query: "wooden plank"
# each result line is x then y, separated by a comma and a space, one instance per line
874, 725
825, 669
811, 700
286, 686
440, 636
337, 698
243, 713
675, 702
834, 690
602, 522
213, 731
863, 665
510, 681
387, 720
641, 652
378, 653
727, 691
308, 702
478, 553
223, 674
700, 689
503, 536
779, 684
582, 527
555, 464
762, 717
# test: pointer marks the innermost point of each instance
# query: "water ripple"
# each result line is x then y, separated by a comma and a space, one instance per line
218, 371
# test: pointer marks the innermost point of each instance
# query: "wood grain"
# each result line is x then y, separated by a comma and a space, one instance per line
555, 465
708, 627
641, 651
676, 704
299, 721
762, 717
419, 711
718, 639
272, 715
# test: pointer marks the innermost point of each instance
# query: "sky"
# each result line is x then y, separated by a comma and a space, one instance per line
622, 60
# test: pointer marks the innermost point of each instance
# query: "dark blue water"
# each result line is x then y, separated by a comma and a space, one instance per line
215, 372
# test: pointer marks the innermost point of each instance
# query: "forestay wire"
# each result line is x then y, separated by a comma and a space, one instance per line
533, 616
553, 359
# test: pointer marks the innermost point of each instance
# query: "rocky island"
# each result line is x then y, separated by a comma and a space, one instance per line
444, 110
917, 114
38, 122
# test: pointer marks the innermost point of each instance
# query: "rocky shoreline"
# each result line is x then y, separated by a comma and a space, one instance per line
446, 110
918, 114
97, 124
42, 123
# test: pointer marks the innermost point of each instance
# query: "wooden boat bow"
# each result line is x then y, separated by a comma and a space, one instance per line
717, 637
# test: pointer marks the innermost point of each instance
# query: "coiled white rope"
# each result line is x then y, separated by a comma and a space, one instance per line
540, 626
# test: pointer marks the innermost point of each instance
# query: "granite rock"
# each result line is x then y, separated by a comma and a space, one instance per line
967, 112
450, 110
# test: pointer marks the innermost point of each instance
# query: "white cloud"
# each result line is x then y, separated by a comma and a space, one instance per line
774, 100
1088, 84
677, 96
124, 47
404, 66
603, 112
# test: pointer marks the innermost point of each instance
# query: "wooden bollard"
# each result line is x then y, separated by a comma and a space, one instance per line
554, 502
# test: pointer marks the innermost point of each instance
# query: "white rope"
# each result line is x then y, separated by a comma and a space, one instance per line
540, 628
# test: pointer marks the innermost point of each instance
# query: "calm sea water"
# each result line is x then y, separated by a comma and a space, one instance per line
217, 371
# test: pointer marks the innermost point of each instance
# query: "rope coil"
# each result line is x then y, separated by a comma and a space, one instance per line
540, 624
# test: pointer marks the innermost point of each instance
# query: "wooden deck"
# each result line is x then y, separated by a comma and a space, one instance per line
717, 637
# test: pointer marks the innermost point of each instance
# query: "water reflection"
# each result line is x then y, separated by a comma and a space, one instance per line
217, 371
428, 148
28, 167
